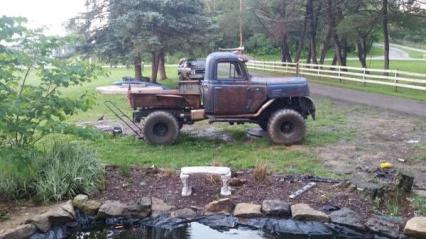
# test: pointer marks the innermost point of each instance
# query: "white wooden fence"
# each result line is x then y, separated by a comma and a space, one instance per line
392, 78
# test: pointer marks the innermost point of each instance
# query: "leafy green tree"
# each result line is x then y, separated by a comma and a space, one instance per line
32, 76
126, 30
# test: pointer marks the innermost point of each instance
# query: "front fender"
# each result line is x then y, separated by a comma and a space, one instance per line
307, 105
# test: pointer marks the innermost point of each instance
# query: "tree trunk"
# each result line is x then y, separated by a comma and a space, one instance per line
138, 68
285, 51
332, 24
313, 30
155, 64
385, 32
362, 52
162, 66
301, 44
344, 51
325, 46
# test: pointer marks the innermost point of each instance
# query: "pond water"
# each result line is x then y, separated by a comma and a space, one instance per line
192, 231
206, 227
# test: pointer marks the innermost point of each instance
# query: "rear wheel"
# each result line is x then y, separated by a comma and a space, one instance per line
286, 127
160, 127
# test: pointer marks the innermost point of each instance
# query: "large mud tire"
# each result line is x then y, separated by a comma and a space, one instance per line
286, 127
160, 128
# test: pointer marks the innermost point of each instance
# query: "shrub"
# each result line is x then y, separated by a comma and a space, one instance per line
32, 79
67, 170
260, 44
58, 173
16, 172
261, 172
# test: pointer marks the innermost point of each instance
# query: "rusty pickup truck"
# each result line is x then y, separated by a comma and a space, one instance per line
228, 93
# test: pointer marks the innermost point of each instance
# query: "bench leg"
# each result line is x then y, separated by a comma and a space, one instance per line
225, 190
186, 189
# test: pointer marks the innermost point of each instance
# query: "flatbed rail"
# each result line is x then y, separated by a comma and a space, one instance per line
124, 118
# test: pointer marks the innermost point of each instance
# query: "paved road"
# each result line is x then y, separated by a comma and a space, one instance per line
382, 101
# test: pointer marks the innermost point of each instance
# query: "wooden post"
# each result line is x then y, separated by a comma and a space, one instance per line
273, 66
363, 77
339, 74
396, 80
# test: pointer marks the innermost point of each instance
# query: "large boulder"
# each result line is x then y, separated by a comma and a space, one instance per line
305, 213
159, 207
347, 217
416, 227
139, 209
384, 226
79, 200
55, 216
41, 222
20, 232
111, 209
185, 213
224, 205
83, 203
276, 208
247, 210
91, 207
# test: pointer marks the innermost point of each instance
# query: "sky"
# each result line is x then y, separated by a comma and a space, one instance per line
49, 13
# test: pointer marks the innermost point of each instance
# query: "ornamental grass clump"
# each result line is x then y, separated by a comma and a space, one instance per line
60, 172
66, 170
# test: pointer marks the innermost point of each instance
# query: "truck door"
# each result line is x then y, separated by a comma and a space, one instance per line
230, 89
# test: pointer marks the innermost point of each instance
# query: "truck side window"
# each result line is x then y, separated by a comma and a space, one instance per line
229, 71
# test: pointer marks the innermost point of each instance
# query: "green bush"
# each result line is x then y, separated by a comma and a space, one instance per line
66, 170
260, 44
16, 172
58, 173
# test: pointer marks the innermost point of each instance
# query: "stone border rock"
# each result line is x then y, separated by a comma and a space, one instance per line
68, 212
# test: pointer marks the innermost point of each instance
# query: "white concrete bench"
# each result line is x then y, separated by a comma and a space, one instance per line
223, 172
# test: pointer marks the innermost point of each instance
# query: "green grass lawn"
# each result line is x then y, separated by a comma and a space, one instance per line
242, 153
402, 65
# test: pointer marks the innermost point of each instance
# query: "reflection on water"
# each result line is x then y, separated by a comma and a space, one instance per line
193, 231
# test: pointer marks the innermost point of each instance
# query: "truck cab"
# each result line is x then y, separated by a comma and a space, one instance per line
228, 93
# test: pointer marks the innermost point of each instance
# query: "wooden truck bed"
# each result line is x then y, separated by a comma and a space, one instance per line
187, 96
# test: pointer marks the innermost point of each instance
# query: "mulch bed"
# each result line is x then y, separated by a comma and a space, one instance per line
166, 185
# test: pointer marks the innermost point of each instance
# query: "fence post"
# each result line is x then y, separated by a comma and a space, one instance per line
264, 66
396, 80
363, 77
273, 66
286, 67
339, 74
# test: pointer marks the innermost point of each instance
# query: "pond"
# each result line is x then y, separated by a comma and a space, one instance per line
192, 231
205, 227
219, 227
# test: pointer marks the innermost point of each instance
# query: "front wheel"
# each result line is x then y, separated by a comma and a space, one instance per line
160, 127
286, 127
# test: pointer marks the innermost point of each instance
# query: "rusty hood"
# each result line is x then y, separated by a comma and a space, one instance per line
283, 86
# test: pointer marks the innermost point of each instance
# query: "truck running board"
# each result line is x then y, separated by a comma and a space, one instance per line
124, 118
229, 120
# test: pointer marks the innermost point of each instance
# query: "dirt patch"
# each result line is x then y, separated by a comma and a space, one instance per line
167, 186
379, 136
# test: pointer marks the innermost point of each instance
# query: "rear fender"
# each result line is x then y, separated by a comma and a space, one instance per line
307, 105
